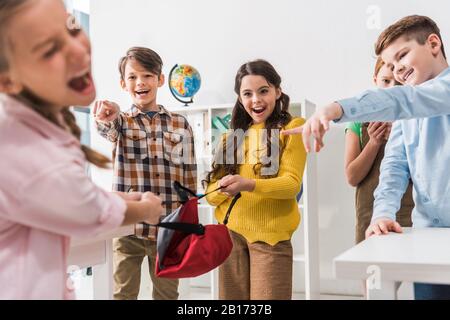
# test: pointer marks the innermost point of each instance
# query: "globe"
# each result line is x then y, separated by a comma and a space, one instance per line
184, 83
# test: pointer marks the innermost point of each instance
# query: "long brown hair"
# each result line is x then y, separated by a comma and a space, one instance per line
240, 119
9, 8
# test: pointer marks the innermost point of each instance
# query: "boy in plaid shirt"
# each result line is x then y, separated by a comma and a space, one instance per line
152, 148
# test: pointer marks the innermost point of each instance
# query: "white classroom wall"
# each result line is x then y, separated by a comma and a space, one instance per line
322, 49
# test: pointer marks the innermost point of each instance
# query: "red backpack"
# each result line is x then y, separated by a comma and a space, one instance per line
186, 248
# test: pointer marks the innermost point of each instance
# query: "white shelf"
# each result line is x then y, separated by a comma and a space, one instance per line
299, 258
310, 219
199, 108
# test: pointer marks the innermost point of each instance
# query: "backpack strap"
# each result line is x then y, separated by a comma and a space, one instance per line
233, 202
189, 228
193, 228
182, 190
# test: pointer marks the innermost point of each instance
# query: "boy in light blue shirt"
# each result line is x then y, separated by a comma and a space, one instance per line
418, 148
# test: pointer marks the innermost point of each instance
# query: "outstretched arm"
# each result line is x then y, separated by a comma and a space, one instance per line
402, 102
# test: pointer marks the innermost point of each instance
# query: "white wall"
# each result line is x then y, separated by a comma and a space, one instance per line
322, 49
80, 5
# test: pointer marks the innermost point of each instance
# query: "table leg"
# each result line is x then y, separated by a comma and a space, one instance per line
384, 290
215, 284
103, 276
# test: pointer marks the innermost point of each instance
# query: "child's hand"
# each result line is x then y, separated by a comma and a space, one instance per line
377, 132
130, 196
233, 184
383, 226
317, 125
155, 208
388, 131
106, 111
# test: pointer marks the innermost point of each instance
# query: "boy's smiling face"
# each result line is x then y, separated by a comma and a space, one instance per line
142, 85
411, 62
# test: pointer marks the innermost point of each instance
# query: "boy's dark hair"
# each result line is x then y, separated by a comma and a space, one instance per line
414, 27
149, 59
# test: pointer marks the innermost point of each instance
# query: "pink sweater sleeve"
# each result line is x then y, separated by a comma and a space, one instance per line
65, 201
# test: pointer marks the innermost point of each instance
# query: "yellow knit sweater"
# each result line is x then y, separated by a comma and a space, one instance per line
270, 212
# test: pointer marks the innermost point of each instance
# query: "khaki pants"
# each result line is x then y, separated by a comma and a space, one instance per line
256, 271
129, 252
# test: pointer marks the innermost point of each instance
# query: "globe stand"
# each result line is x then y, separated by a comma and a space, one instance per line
186, 103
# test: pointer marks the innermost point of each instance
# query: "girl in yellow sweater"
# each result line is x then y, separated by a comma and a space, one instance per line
267, 169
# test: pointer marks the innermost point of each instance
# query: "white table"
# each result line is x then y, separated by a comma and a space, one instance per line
416, 255
97, 252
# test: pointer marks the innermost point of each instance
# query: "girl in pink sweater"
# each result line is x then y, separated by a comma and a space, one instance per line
45, 196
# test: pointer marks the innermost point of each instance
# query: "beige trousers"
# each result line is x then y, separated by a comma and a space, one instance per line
129, 253
256, 271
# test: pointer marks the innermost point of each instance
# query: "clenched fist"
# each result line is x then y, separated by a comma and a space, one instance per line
105, 111
155, 208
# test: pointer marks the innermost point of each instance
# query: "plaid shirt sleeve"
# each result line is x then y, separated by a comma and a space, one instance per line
190, 165
110, 130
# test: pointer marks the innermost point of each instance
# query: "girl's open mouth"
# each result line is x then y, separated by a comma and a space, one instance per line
81, 84
258, 110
